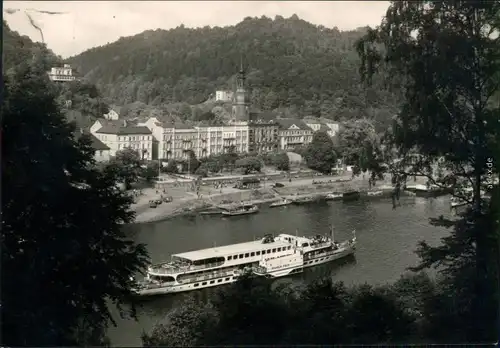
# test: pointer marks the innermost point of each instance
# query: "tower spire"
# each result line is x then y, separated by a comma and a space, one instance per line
241, 62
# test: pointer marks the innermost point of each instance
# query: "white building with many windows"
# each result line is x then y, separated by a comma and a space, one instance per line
119, 135
175, 140
293, 134
64, 74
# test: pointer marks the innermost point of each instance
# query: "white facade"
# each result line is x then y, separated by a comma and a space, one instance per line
102, 155
174, 140
111, 115
294, 137
63, 74
224, 96
121, 136
331, 128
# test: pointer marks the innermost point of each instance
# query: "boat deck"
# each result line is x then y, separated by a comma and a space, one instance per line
246, 247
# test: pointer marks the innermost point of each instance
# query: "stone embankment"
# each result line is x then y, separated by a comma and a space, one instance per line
190, 203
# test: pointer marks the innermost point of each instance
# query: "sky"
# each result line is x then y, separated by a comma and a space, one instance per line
71, 27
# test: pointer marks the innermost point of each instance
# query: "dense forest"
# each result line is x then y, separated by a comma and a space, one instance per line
293, 67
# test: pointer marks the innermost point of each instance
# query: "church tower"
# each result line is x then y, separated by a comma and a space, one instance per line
240, 110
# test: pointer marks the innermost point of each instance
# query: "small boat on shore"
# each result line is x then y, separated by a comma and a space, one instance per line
428, 191
375, 193
211, 212
241, 210
303, 200
334, 196
281, 203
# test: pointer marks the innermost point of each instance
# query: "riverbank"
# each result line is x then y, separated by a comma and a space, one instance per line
209, 198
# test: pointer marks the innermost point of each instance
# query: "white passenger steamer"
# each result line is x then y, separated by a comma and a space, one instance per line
270, 256
306, 252
208, 267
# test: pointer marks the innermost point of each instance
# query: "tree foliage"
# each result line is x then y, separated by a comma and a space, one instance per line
64, 255
254, 312
127, 165
446, 58
320, 154
249, 164
278, 160
360, 145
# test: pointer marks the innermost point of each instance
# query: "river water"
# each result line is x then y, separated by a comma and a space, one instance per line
387, 239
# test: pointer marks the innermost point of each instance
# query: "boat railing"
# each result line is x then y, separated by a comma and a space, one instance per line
183, 269
320, 245
205, 277
260, 269
155, 285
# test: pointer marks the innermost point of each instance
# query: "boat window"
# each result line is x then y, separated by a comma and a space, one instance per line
252, 254
219, 280
258, 252
204, 283
241, 256
229, 258
227, 279
268, 251
274, 250
247, 255
197, 284
209, 261
213, 281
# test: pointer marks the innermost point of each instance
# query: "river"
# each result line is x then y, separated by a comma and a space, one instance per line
386, 242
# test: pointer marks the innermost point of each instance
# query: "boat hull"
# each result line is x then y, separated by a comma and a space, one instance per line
279, 204
176, 288
228, 213
303, 201
282, 272
329, 257
333, 197
316, 261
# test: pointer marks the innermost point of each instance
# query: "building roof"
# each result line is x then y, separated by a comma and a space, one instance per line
263, 115
233, 249
311, 121
286, 123
97, 144
106, 122
176, 125
121, 130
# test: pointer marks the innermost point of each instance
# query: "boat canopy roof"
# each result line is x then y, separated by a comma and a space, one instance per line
233, 249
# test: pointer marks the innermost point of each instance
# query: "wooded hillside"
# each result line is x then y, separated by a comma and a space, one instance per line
293, 66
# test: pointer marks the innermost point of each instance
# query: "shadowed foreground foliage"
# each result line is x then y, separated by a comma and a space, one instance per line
253, 312
64, 255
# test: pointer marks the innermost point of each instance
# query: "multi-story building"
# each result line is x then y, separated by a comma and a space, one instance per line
263, 136
119, 135
331, 128
64, 74
175, 139
223, 96
293, 133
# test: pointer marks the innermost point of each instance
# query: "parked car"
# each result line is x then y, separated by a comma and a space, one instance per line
278, 184
152, 204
